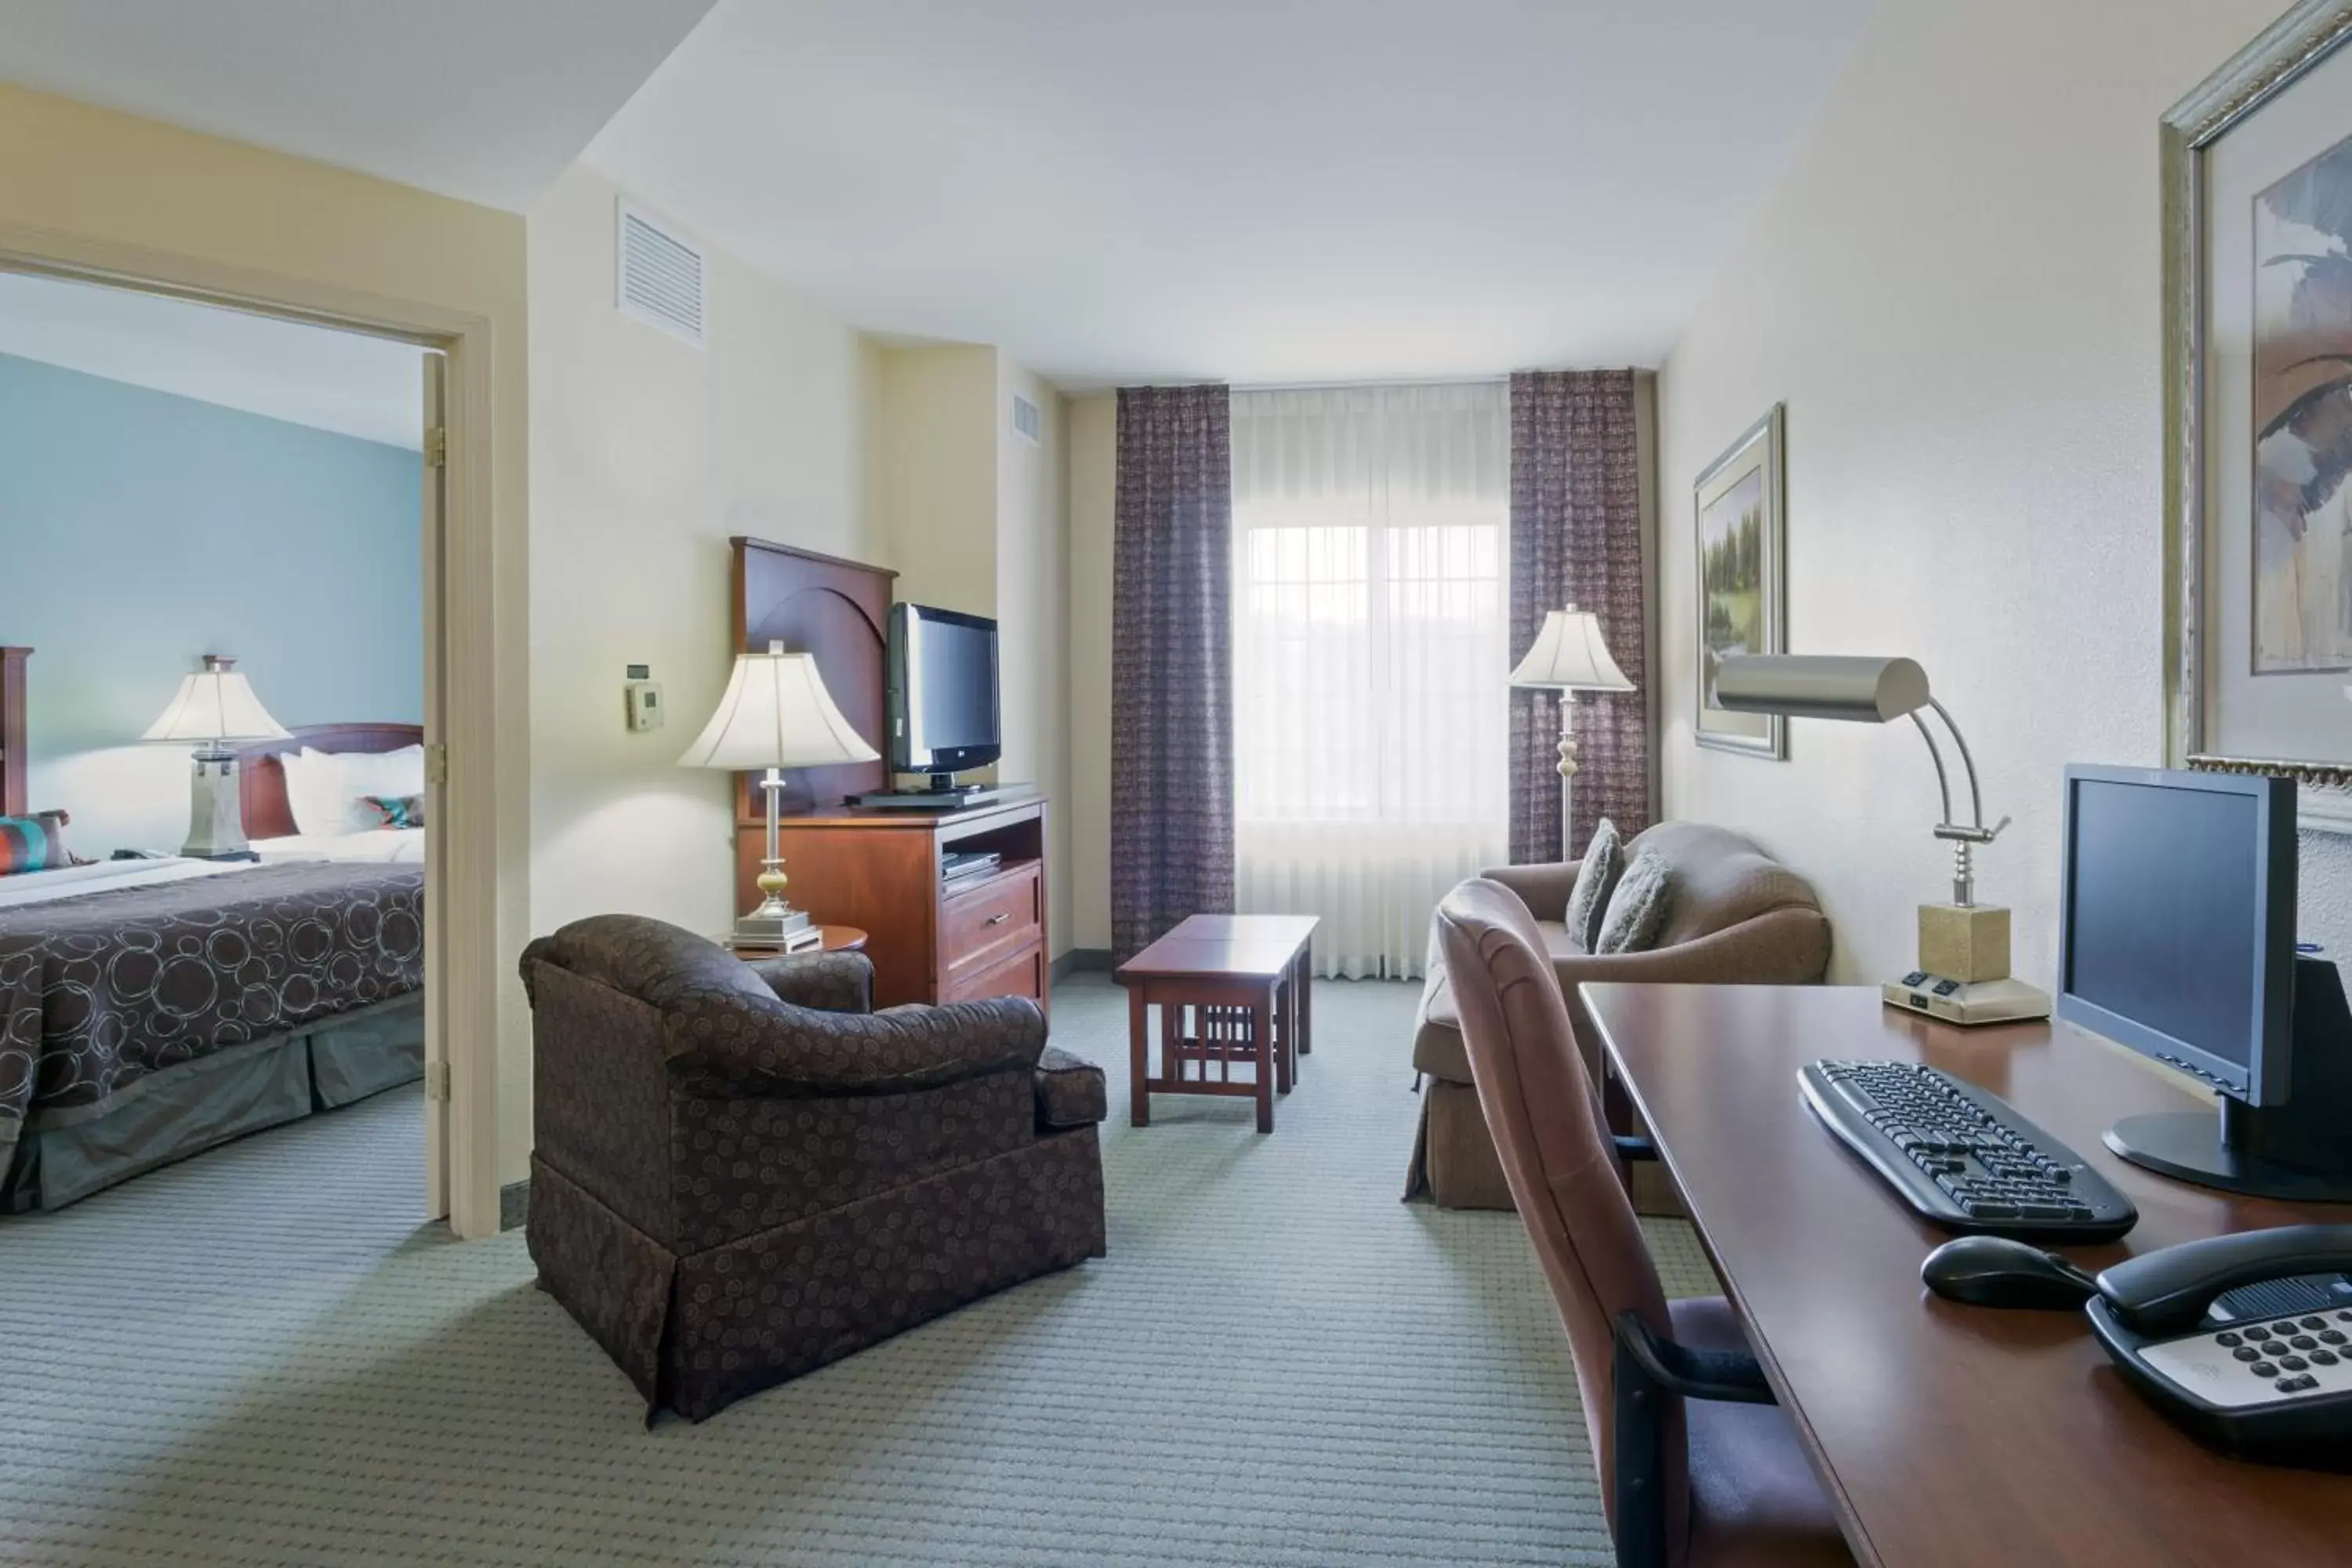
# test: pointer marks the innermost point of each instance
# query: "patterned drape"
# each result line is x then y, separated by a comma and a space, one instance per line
1171, 717
1576, 539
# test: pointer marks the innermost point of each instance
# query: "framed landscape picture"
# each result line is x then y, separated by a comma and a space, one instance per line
2257, 167
1742, 596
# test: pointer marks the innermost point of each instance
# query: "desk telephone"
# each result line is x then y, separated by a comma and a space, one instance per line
2246, 1340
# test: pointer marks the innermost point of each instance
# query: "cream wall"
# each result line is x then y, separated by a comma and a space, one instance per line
647, 454
1033, 596
72, 176
936, 436
1954, 289
1093, 466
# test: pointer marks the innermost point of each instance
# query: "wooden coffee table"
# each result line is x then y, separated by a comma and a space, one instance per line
1245, 982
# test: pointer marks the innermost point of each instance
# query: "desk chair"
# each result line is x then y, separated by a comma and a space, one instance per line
1699, 1468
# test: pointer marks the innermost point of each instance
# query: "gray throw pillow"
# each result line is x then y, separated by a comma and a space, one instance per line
1596, 879
1637, 910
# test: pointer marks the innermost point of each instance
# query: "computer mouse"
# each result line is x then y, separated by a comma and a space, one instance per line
1996, 1272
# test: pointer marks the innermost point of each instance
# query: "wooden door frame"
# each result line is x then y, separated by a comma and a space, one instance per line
463, 851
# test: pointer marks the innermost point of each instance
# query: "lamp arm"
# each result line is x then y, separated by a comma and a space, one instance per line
1935, 755
1976, 798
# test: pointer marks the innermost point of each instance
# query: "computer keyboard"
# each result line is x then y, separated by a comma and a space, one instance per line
1960, 1157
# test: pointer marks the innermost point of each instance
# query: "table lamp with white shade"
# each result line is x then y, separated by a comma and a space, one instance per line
1570, 656
215, 706
775, 714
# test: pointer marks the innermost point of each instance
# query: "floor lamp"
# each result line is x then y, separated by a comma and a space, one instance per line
1569, 657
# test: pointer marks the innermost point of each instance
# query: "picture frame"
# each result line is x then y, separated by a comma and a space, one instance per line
2256, 165
1737, 510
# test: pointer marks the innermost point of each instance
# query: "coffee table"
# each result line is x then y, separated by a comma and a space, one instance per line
1245, 981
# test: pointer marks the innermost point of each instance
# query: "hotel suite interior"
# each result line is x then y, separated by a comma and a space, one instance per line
1033, 782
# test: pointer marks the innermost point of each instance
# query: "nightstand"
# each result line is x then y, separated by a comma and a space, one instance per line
836, 939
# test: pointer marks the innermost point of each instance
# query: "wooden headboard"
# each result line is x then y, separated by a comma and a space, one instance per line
840, 611
261, 777
13, 760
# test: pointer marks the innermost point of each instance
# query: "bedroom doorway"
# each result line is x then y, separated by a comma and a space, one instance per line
444, 525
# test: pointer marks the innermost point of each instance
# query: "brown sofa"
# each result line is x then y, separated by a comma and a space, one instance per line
1735, 915
742, 1174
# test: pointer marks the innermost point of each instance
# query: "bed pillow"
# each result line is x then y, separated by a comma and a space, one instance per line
1596, 879
1637, 910
314, 791
35, 843
370, 776
398, 810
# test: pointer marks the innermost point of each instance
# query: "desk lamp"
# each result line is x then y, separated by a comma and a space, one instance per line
1963, 973
775, 714
1569, 657
213, 707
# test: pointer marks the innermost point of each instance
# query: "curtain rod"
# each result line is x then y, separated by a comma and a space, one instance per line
1369, 384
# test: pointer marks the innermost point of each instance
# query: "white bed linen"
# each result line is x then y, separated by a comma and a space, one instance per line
104, 877
377, 846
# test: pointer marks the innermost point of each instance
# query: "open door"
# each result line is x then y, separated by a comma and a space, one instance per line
437, 777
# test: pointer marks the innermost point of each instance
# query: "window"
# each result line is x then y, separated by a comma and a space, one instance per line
1369, 655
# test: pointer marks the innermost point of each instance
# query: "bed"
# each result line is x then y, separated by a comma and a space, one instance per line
150, 1009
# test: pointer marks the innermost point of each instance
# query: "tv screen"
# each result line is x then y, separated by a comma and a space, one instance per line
943, 690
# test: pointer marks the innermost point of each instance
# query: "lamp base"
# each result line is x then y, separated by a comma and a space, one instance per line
1967, 1002
216, 812
1966, 943
770, 925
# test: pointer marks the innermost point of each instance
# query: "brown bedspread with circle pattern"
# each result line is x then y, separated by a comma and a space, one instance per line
98, 991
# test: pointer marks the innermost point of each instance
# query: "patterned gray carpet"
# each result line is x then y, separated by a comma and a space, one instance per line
261, 1357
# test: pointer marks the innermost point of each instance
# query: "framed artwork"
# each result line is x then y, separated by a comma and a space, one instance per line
1742, 598
2257, 169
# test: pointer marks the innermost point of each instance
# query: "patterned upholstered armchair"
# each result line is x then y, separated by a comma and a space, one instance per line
742, 1174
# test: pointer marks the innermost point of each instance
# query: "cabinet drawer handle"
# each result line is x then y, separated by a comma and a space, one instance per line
999, 920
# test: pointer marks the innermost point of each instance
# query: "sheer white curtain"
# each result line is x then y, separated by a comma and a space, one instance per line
1369, 657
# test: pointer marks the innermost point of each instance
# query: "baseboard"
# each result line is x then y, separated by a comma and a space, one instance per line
514, 1203
1081, 958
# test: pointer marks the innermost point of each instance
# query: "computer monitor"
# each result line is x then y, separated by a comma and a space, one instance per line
2176, 939
2177, 936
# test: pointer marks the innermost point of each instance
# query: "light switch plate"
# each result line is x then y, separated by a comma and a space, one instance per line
646, 709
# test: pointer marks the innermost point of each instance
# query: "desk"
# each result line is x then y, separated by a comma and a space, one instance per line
1944, 1435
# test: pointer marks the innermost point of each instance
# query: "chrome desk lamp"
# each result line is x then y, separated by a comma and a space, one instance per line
1963, 969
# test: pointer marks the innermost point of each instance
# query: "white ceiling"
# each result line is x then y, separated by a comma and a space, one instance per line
334, 380
483, 100
1260, 189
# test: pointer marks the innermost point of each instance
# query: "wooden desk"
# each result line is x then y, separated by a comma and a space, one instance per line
1946, 1434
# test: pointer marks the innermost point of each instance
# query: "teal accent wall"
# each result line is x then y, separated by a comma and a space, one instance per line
139, 530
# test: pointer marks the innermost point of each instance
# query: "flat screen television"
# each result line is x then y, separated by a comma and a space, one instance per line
944, 713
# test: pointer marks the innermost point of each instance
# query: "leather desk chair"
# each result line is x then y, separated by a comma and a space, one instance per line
1699, 1468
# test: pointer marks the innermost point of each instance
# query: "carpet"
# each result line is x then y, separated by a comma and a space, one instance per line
261, 1356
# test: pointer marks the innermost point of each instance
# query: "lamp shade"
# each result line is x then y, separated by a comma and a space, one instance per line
215, 703
776, 713
1821, 686
1570, 656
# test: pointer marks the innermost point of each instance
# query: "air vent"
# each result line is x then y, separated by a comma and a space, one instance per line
1027, 422
660, 277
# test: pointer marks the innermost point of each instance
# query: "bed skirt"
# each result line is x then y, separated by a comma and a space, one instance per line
66, 1154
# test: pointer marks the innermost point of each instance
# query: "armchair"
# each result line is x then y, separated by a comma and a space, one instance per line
742, 1174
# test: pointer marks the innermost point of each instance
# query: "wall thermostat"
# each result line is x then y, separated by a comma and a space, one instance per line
645, 699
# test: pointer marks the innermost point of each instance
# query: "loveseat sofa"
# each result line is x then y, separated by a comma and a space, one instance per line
1734, 915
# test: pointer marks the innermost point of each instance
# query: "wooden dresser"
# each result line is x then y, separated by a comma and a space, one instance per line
880, 870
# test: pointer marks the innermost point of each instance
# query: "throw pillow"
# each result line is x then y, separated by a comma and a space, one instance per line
399, 810
1596, 879
1637, 910
36, 843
